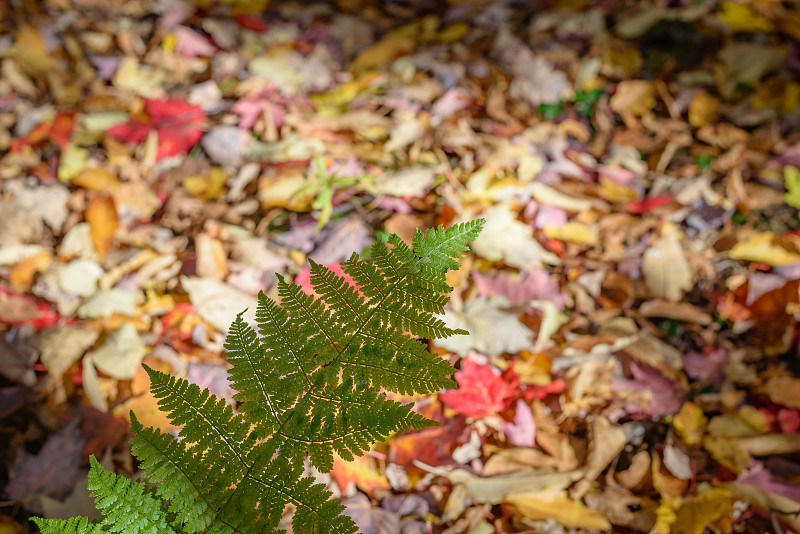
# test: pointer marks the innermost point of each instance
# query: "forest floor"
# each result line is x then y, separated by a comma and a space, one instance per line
632, 302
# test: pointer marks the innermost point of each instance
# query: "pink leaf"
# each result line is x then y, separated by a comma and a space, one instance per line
189, 43
522, 432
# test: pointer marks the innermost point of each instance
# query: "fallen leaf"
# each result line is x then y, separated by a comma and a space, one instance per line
370, 519
481, 392
492, 330
552, 197
52, 472
784, 508
101, 214
507, 239
791, 179
361, 472
217, 302
384, 52
522, 431
636, 97
727, 451
106, 302
64, 345
431, 446
573, 232
696, 513
500, 488
745, 63
607, 442
761, 247
226, 144
177, 124
557, 506
742, 18
665, 269
142, 80
678, 462
690, 422
783, 390
30, 51
121, 354
410, 182
536, 284
624, 509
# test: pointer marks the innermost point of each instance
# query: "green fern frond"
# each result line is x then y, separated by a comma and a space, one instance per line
310, 381
73, 525
190, 481
128, 507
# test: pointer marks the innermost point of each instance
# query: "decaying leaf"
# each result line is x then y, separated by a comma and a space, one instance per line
665, 268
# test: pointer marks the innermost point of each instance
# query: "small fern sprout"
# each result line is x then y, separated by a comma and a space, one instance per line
309, 378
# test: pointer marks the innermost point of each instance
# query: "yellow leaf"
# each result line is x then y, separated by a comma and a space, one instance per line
344, 93
754, 418
740, 17
100, 180
73, 160
557, 506
759, 247
142, 80
615, 192
791, 179
168, 43
698, 512
665, 517
727, 452
690, 423
574, 232
101, 214
280, 191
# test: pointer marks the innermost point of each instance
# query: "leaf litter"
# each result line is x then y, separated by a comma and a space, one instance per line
632, 358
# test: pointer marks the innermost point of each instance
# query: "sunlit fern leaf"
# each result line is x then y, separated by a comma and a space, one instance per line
311, 380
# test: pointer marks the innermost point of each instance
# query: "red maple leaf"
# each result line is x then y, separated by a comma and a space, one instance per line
179, 126
58, 131
481, 392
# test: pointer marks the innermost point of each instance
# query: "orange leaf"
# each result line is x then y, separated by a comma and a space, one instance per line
361, 472
101, 214
21, 275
